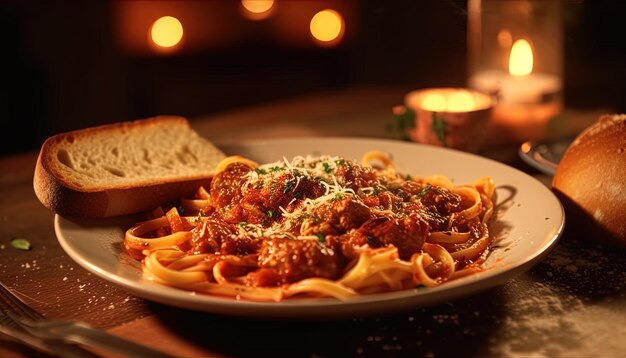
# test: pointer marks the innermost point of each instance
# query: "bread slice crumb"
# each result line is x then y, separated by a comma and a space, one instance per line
125, 157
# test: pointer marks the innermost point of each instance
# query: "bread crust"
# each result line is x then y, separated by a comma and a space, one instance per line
591, 181
66, 199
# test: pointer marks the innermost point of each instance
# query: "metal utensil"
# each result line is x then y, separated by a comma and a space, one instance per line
53, 348
56, 330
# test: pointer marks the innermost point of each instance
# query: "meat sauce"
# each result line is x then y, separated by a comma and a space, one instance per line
311, 220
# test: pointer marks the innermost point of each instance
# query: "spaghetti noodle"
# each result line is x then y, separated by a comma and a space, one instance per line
316, 227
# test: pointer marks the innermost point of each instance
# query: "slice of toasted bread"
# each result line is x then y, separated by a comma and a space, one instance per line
123, 168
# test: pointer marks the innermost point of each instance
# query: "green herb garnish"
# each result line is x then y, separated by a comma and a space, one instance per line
327, 168
321, 237
181, 210
242, 223
288, 186
439, 128
340, 162
260, 171
424, 190
270, 213
21, 244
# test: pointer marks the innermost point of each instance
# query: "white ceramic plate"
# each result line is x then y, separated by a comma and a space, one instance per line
529, 222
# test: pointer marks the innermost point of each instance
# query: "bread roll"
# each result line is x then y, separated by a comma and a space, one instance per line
123, 168
590, 180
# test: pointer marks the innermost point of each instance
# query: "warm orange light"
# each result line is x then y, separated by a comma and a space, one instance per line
434, 102
167, 31
505, 39
461, 101
257, 6
521, 59
327, 26
449, 101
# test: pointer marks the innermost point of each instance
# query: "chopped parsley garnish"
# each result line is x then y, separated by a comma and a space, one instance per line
338, 196
275, 169
201, 213
327, 168
339, 162
242, 223
288, 185
321, 237
408, 178
260, 171
439, 128
21, 244
270, 213
424, 190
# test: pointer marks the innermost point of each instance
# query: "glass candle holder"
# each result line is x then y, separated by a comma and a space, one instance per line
515, 54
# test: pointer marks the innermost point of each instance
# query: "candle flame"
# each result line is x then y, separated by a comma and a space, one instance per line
434, 102
457, 101
521, 60
461, 101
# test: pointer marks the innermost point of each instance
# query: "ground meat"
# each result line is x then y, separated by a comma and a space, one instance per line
296, 259
408, 234
355, 176
219, 237
306, 188
335, 217
263, 278
262, 204
384, 200
410, 189
436, 221
226, 191
440, 200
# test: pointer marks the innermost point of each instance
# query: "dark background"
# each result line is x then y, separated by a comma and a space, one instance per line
63, 65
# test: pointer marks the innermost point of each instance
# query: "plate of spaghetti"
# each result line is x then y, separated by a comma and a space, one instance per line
327, 227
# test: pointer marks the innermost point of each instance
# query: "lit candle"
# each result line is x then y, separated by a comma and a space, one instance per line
526, 99
450, 117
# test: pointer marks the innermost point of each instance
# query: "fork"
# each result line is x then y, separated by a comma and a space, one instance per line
11, 329
66, 331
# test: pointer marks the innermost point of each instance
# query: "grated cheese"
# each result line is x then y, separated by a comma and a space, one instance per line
319, 168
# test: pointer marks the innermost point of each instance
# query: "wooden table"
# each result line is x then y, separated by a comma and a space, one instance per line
572, 303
